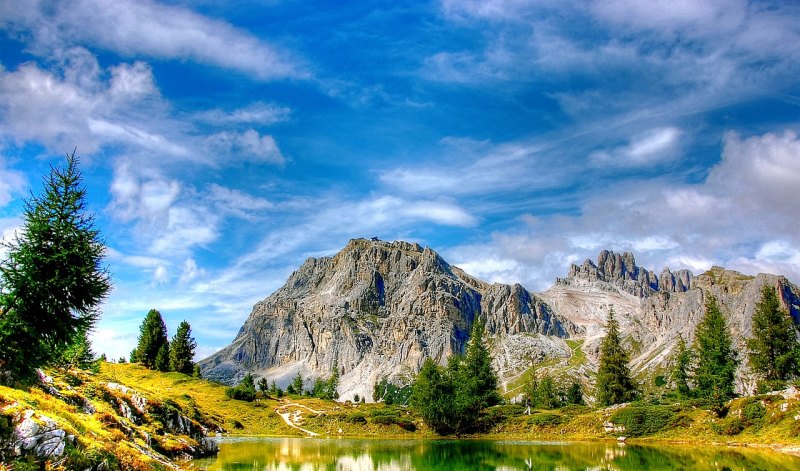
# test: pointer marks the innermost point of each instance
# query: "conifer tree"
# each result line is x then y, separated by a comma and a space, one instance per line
681, 368
52, 280
575, 394
716, 360
773, 348
433, 395
152, 342
263, 386
162, 358
614, 382
181, 350
78, 354
479, 375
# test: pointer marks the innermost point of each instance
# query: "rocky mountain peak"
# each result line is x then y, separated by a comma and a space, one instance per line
621, 271
375, 309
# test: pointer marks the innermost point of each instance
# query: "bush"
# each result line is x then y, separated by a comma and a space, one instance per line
753, 412
729, 426
545, 419
357, 418
241, 394
640, 421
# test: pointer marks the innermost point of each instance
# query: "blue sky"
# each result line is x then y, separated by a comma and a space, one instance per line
222, 143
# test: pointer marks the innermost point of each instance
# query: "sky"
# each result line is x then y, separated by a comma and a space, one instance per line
224, 142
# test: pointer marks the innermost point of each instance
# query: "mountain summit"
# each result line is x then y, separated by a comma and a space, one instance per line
378, 309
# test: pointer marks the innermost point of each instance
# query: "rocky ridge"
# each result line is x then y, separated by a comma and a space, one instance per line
378, 309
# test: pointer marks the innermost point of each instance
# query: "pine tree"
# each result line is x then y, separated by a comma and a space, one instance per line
52, 280
478, 372
196, 372
774, 347
181, 350
162, 358
263, 386
681, 368
716, 360
614, 382
152, 341
575, 394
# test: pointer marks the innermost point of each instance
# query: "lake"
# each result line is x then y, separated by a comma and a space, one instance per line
308, 454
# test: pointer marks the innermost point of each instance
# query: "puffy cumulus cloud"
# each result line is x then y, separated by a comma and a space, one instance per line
139, 193
72, 104
40, 106
761, 175
144, 27
248, 145
132, 81
648, 148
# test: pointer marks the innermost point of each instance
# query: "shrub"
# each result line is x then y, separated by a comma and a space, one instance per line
753, 412
241, 394
729, 426
356, 418
639, 421
545, 419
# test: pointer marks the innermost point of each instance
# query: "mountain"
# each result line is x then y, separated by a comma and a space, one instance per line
378, 309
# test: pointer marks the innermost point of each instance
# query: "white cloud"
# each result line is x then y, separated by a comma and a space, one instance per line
648, 148
255, 113
144, 27
132, 81
12, 182
139, 193
248, 146
186, 227
237, 203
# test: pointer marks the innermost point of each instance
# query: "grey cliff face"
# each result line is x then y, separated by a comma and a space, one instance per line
378, 309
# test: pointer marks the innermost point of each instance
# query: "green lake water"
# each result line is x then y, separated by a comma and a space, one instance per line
307, 454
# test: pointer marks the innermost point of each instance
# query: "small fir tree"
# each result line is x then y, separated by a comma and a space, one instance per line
196, 372
715, 369
78, 354
263, 386
773, 348
152, 340
181, 350
575, 394
296, 385
480, 377
614, 382
681, 368
432, 394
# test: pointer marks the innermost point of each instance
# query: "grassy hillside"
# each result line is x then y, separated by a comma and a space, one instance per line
101, 411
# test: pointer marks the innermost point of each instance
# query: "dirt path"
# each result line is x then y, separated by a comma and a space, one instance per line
293, 418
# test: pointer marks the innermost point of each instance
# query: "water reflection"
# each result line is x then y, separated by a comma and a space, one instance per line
298, 454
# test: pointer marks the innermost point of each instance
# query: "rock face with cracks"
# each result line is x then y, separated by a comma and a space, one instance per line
378, 309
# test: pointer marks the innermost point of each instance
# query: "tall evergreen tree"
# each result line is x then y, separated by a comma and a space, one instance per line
773, 347
162, 358
52, 280
152, 340
614, 382
181, 350
479, 375
715, 369
681, 368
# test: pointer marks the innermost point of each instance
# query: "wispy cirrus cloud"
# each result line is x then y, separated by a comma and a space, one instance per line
145, 27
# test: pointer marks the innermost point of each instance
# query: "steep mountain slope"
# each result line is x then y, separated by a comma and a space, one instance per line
378, 309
